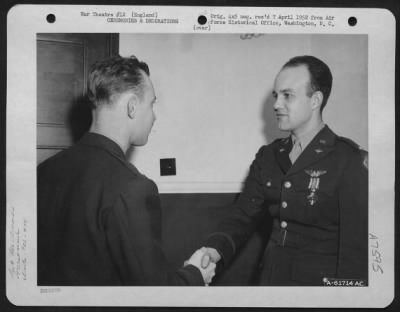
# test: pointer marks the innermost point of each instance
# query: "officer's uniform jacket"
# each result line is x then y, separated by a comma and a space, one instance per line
99, 221
319, 207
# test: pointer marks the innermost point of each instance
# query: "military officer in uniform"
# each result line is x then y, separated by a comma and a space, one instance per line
313, 184
99, 218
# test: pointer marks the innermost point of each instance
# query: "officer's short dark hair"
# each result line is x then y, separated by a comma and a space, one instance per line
320, 75
113, 76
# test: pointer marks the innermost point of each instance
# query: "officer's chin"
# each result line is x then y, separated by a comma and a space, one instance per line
283, 127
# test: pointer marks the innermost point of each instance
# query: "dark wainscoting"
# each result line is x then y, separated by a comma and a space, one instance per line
187, 221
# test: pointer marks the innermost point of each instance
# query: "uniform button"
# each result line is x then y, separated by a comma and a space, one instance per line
283, 224
284, 204
268, 184
287, 184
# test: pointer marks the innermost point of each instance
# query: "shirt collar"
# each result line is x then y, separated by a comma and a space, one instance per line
306, 138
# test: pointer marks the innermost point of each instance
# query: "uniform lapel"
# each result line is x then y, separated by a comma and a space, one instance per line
282, 150
319, 147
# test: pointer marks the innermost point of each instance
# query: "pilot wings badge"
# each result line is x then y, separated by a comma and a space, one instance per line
313, 185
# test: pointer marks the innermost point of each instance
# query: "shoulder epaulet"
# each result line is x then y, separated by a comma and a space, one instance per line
363, 153
349, 142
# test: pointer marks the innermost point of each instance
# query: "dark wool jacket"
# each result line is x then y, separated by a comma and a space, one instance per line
319, 207
99, 221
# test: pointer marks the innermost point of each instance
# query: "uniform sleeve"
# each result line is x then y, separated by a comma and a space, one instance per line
236, 229
353, 233
132, 228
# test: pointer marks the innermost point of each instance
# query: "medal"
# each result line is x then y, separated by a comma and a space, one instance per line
313, 185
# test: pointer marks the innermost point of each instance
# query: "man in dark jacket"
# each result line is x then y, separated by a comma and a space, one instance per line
313, 184
99, 218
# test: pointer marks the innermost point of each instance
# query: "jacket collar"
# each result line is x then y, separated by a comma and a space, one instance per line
103, 142
282, 151
321, 145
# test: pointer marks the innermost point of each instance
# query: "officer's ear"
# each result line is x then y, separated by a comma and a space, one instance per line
132, 103
316, 100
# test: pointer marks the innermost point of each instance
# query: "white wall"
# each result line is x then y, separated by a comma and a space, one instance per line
214, 108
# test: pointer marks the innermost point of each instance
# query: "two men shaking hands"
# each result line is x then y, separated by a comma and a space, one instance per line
99, 218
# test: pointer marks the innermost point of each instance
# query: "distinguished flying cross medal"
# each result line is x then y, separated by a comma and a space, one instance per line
313, 185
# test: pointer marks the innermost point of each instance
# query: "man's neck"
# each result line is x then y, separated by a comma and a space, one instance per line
306, 134
111, 134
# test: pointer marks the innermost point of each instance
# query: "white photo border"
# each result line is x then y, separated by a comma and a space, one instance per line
25, 21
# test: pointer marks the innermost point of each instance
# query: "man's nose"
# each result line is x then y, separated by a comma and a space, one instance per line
277, 103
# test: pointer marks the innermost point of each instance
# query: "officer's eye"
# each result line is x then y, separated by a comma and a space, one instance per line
274, 95
287, 96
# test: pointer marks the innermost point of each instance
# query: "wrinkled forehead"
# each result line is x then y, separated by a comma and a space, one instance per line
292, 77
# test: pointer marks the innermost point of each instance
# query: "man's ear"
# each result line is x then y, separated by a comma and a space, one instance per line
132, 104
316, 99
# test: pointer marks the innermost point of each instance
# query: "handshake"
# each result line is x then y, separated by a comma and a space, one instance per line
205, 259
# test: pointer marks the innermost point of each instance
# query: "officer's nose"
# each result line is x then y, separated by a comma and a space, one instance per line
277, 103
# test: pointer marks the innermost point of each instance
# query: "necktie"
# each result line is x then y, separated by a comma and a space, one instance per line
295, 152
